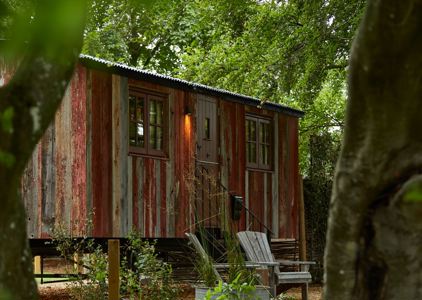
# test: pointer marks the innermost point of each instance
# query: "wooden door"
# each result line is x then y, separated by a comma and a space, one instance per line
207, 168
206, 126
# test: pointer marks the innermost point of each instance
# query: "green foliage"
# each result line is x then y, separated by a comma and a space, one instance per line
139, 33
7, 159
6, 119
5, 295
283, 296
142, 274
237, 270
147, 277
236, 289
204, 267
324, 149
291, 52
414, 194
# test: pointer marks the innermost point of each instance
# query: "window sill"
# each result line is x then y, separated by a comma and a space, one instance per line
259, 170
158, 157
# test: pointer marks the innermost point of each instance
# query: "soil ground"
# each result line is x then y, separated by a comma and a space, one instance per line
58, 291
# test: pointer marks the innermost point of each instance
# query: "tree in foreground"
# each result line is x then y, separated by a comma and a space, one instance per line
375, 228
48, 38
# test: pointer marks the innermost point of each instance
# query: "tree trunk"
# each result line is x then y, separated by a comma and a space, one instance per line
374, 241
33, 96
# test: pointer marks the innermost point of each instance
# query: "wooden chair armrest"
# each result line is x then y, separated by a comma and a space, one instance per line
294, 262
250, 265
268, 263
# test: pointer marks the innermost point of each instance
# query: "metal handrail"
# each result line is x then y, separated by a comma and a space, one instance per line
269, 232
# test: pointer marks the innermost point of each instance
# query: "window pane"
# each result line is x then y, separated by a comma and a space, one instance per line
153, 112
264, 133
153, 136
132, 133
159, 112
207, 134
132, 106
251, 152
140, 141
159, 138
140, 108
253, 131
264, 155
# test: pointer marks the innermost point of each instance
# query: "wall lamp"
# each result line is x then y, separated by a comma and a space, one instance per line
188, 111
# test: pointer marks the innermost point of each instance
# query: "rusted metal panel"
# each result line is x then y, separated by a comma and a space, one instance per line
232, 136
47, 180
157, 212
101, 167
294, 173
130, 207
85, 165
30, 193
63, 164
184, 162
120, 151
288, 166
276, 180
162, 200
170, 187
78, 141
88, 150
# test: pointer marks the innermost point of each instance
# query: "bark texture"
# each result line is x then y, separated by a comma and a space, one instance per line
34, 93
374, 237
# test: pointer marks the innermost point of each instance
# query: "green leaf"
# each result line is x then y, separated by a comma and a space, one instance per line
413, 195
6, 119
7, 159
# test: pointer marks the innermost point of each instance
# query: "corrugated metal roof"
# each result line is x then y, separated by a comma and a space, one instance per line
124, 70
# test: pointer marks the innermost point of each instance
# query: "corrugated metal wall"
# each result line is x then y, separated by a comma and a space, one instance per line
54, 183
81, 168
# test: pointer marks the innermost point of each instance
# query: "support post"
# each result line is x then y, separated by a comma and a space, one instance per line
113, 269
302, 229
302, 233
37, 264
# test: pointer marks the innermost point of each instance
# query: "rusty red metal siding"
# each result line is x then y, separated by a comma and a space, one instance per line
74, 168
101, 153
289, 172
79, 203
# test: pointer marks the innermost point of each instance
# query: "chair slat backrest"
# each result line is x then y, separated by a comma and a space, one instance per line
256, 246
200, 250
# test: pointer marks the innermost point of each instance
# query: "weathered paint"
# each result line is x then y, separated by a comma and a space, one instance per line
78, 152
83, 165
101, 169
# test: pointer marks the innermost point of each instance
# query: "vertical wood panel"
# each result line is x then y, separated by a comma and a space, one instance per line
47, 180
101, 153
141, 198
170, 169
30, 195
129, 184
162, 199
157, 185
276, 180
135, 183
282, 171
294, 173
120, 155
88, 118
63, 163
78, 140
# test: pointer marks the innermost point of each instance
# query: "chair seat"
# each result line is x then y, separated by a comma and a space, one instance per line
294, 277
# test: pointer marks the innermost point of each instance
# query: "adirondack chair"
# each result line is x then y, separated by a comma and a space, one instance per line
200, 250
216, 266
257, 249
